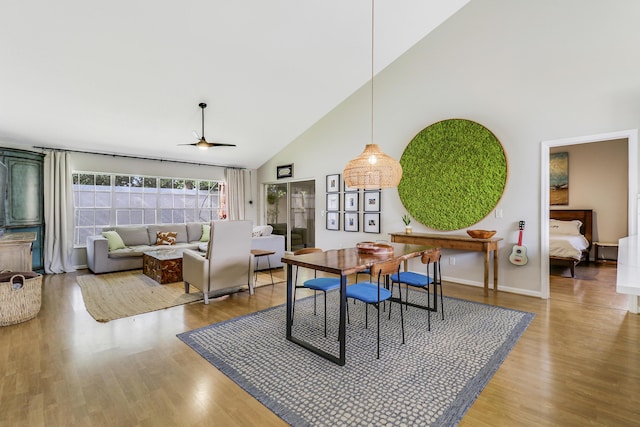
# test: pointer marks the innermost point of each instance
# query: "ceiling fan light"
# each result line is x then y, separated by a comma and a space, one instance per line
202, 144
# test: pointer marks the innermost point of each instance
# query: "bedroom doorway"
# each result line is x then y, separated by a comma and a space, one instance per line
631, 136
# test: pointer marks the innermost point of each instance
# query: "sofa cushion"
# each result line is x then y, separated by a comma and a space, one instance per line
114, 240
194, 231
179, 229
166, 238
134, 236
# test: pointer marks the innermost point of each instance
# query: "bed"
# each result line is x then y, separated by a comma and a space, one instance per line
570, 237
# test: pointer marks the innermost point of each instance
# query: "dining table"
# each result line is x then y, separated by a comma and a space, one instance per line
341, 262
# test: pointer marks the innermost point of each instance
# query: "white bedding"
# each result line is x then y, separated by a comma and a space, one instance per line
567, 246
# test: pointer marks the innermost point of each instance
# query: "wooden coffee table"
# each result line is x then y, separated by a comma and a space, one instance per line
163, 265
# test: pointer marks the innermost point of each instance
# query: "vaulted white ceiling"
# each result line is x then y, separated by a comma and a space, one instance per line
126, 77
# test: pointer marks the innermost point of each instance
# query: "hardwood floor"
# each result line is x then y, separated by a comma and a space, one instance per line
577, 364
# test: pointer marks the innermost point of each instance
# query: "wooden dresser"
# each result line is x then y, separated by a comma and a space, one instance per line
15, 251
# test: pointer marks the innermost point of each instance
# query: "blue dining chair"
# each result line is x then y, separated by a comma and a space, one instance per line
417, 280
324, 284
374, 293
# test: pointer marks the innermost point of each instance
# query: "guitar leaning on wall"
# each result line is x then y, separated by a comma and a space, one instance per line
519, 253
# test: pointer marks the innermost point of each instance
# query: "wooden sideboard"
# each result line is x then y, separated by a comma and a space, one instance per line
15, 251
461, 243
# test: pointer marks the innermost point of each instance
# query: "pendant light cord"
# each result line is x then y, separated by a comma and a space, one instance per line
372, 69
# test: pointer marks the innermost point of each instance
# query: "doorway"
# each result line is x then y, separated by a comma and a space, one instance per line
632, 137
290, 210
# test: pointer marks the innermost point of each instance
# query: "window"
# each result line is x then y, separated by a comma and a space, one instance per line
103, 199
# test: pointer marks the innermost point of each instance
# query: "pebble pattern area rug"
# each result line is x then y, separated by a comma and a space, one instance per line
432, 380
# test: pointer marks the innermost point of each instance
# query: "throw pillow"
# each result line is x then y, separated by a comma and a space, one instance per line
565, 227
114, 239
262, 230
166, 238
206, 230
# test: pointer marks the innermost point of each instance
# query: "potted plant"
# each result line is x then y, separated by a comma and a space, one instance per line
407, 220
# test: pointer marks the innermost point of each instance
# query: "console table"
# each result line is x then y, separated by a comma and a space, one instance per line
458, 242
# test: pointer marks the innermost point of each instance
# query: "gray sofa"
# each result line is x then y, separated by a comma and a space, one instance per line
139, 239
142, 238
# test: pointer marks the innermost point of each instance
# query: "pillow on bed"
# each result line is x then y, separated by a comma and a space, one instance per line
565, 227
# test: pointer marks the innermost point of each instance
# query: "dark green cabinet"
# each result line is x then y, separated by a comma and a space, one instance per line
24, 206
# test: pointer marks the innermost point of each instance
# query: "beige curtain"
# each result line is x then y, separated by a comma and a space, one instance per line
58, 213
235, 194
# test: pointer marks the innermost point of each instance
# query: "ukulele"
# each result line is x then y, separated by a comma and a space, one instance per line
519, 253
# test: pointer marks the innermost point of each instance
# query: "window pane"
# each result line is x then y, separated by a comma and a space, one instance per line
103, 200
102, 217
122, 183
121, 200
149, 216
85, 218
135, 201
103, 181
122, 217
136, 216
85, 200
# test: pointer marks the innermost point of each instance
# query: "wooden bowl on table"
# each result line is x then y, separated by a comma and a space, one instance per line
481, 234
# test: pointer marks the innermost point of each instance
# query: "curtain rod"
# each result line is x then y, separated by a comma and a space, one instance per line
137, 157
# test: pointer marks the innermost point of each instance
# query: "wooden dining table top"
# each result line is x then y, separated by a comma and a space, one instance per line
349, 261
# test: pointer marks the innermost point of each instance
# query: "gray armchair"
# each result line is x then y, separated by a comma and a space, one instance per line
228, 263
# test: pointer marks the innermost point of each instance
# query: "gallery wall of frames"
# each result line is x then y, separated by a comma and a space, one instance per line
351, 210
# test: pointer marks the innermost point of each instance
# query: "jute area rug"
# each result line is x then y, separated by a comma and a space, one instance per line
127, 293
432, 380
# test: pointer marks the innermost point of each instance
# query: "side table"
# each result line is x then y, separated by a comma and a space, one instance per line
257, 253
599, 246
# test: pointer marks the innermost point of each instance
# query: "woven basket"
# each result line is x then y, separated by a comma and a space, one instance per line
20, 298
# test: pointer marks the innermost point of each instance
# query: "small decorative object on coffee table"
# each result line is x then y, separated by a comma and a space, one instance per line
163, 265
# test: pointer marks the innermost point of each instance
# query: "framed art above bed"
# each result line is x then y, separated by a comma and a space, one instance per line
570, 236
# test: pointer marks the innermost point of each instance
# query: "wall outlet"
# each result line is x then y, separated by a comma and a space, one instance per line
498, 213
452, 260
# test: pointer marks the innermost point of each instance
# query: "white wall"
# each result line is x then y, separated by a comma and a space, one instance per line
528, 71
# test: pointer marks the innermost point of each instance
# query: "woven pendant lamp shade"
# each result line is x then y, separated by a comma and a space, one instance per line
372, 170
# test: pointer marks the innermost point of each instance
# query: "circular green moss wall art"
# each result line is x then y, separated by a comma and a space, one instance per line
454, 174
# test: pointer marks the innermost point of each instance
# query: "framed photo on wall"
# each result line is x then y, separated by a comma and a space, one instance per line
351, 221
371, 222
333, 183
371, 201
351, 202
333, 221
284, 171
347, 188
333, 201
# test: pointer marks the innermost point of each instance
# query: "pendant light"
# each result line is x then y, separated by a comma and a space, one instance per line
372, 169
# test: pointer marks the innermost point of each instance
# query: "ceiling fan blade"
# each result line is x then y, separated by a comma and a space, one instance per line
221, 144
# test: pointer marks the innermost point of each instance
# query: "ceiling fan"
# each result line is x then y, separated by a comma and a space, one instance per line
203, 144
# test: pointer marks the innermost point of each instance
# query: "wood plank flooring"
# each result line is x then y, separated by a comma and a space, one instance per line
577, 364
